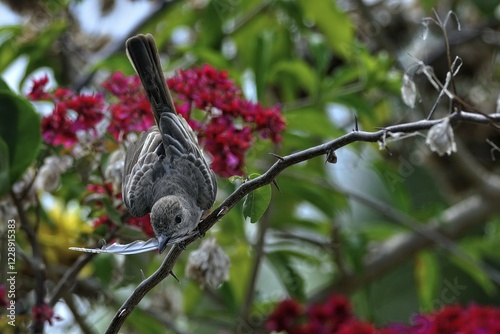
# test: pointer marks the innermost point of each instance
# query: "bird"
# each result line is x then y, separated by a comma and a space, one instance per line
165, 172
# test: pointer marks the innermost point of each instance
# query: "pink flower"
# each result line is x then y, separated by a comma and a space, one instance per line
227, 131
37, 92
143, 223
43, 313
285, 317
210, 90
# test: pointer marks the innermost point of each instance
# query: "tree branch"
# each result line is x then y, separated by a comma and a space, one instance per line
84, 327
67, 280
271, 174
37, 261
452, 223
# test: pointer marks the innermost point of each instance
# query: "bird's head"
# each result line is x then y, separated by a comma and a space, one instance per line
172, 221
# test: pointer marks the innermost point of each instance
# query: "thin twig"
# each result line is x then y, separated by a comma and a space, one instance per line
37, 261
256, 265
493, 149
68, 279
84, 327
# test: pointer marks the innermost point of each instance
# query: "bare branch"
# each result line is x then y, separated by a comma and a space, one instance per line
68, 279
37, 263
256, 265
268, 177
493, 149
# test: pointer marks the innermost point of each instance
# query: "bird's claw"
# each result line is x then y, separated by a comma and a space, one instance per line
201, 234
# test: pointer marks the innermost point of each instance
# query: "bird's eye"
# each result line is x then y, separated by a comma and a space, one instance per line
178, 219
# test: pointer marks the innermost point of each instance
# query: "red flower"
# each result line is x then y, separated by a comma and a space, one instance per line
103, 220
37, 92
330, 315
227, 131
89, 109
132, 111
3, 296
57, 129
106, 188
144, 223
71, 113
285, 317
448, 320
356, 327
232, 120
43, 313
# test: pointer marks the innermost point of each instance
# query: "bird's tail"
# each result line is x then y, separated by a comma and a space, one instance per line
142, 52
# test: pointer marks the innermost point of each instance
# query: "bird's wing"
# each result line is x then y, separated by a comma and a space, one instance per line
179, 141
184, 154
142, 166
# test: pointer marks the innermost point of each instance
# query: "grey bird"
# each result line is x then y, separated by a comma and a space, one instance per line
165, 171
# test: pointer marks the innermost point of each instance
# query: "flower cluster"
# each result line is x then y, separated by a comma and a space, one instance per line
335, 317
458, 319
227, 131
232, 120
131, 112
330, 317
72, 113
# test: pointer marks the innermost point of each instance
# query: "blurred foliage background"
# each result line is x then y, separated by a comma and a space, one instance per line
331, 228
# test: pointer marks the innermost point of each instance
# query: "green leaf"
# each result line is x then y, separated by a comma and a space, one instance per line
3, 85
297, 70
333, 23
293, 282
209, 56
8, 52
20, 132
312, 123
113, 214
262, 61
428, 277
256, 203
4, 168
103, 266
473, 247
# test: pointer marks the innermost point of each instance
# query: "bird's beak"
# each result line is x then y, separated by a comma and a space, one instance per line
162, 243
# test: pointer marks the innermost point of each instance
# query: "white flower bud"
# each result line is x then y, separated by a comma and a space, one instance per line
408, 91
440, 138
49, 176
208, 265
169, 300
